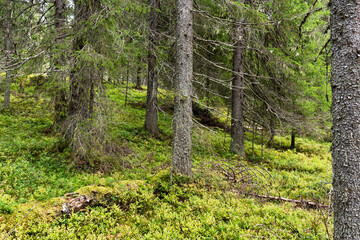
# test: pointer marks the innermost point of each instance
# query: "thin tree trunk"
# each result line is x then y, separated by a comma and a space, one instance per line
183, 88
8, 44
127, 83
60, 105
293, 136
138, 78
272, 131
262, 143
226, 123
237, 118
345, 42
151, 118
138, 75
253, 139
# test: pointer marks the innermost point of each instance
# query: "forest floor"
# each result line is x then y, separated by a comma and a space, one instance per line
227, 197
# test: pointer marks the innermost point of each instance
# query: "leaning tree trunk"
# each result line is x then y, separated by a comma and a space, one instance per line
60, 105
8, 58
345, 41
151, 118
183, 88
237, 118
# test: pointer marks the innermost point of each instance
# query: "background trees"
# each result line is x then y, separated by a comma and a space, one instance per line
260, 70
265, 71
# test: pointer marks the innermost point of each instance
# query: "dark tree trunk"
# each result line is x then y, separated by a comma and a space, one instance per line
183, 88
151, 118
8, 44
237, 118
345, 42
60, 105
138, 78
293, 135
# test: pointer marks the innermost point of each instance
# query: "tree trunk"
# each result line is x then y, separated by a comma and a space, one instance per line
60, 105
345, 42
237, 118
82, 77
138, 78
272, 130
293, 135
127, 83
183, 88
8, 44
151, 118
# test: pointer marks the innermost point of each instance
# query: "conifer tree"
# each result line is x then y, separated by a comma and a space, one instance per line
183, 88
345, 42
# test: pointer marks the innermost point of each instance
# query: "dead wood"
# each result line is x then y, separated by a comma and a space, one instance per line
301, 203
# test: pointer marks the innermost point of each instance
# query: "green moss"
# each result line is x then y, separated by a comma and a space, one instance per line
145, 202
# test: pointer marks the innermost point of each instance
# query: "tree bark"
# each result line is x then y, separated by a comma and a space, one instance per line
237, 118
293, 136
60, 105
8, 44
345, 41
183, 88
151, 118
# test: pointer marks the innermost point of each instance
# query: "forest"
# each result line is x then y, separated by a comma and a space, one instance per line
179, 119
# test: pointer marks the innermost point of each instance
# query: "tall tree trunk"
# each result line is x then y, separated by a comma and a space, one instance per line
60, 105
237, 118
151, 118
82, 76
345, 42
183, 88
8, 44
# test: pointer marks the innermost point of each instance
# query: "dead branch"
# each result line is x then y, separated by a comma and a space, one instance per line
301, 203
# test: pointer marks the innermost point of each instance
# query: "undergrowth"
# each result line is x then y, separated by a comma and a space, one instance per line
150, 203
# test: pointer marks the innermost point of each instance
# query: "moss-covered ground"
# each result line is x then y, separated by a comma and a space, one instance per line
37, 170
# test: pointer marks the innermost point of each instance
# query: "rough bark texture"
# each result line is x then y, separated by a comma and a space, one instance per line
60, 105
151, 118
345, 40
8, 52
237, 118
183, 88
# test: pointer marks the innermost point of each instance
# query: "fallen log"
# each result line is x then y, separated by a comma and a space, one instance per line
302, 203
